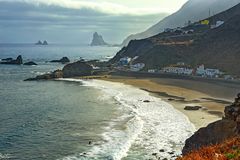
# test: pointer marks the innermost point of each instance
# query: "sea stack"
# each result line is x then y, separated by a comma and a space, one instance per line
17, 61
98, 40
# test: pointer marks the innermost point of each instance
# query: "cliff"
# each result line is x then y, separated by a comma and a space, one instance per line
216, 48
98, 40
217, 132
193, 11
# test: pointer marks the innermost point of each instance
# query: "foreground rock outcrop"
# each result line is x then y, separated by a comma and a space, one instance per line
17, 61
216, 132
76, 69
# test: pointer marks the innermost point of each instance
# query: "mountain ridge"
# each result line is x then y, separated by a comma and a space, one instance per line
193, 10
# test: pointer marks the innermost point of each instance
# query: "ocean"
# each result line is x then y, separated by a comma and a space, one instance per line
69, 119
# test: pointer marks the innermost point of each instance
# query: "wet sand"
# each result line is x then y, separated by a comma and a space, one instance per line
180, 97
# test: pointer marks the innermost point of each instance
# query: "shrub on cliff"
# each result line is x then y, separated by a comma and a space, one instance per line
228, 150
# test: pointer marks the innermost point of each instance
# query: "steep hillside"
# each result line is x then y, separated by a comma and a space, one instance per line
193, 10
216, 48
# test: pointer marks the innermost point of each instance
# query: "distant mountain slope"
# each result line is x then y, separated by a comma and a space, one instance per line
193, 10
216, 48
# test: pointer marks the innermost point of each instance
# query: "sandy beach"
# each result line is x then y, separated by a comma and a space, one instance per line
180, 97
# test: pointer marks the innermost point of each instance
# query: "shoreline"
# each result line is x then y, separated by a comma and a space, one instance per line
179, 97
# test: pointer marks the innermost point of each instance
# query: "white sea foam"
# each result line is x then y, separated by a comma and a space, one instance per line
151, 126
4, 156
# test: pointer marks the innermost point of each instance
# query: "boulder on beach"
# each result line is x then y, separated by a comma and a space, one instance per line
17, 61
77, 69
31, 63
62, 60
192, 108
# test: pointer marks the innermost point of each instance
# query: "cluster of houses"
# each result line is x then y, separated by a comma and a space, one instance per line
180, 68
205, 22
199, 71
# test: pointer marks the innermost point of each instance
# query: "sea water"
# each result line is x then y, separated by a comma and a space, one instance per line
70, 119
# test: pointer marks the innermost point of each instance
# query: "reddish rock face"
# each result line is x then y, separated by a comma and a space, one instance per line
218, 131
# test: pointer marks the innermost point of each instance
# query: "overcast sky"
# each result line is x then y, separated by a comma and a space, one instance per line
74, 21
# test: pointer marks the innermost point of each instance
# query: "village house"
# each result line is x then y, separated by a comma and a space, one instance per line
213, 73
178, 70
218, 24
124, 61
152, 71
137, 67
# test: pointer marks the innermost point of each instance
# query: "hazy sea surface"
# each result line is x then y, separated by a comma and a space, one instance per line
71, 119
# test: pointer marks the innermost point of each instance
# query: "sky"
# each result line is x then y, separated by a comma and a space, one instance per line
74, 21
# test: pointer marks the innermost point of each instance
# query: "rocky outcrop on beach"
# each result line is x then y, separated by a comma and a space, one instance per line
218, 131
31, 63
62, 60
12, 61
98, 40
77, 69
48, 76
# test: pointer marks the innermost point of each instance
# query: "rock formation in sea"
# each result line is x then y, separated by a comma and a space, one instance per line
98, 40
31, 63
217, 132
76, 69
17, 61
41, 43
62, 60
45, 42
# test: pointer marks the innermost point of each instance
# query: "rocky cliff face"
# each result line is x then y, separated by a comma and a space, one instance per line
218, 131
193, 10
98, 40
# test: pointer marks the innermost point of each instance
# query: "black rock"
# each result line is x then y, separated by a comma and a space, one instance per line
45, 43
62, 60
39, 43
146, 101
161, 150
17, 61
30, 63
7, 59
192, 108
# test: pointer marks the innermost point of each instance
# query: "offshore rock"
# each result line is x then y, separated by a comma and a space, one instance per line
98, 40
17, 61
62, 60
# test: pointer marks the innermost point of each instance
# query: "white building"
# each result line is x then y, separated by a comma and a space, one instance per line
218, 24
152, 71
125, 61
201, 71
137, 67
178, 70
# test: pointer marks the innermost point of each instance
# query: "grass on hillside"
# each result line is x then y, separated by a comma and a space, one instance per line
228, 150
